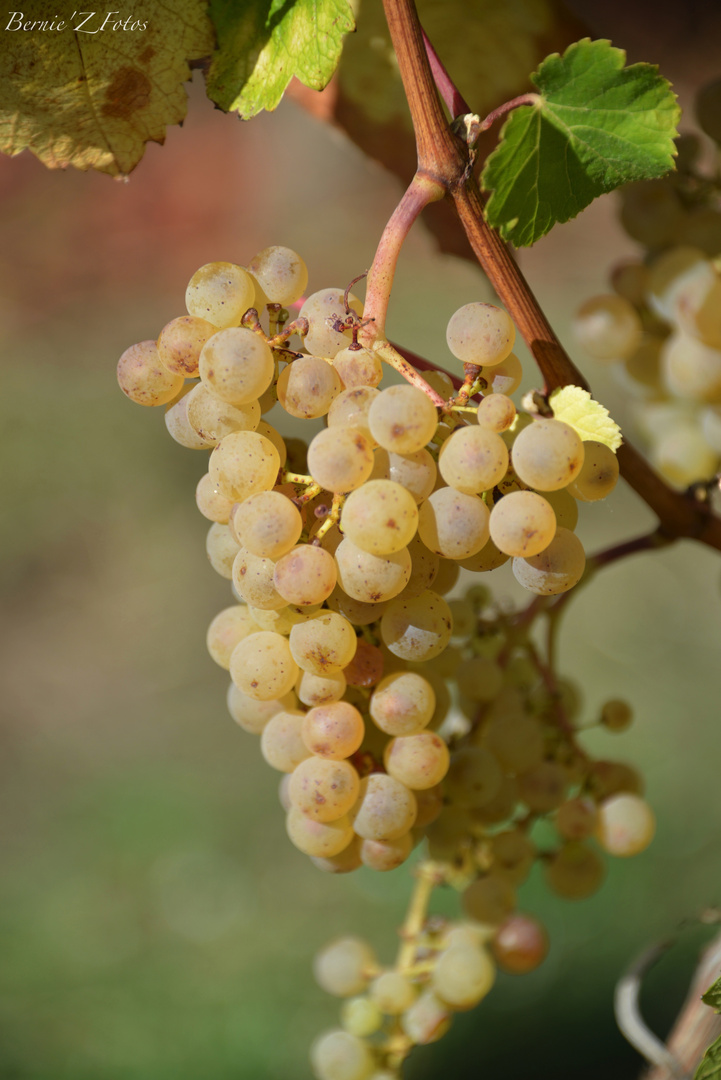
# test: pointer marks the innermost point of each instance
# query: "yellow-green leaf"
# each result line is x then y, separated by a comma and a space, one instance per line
590, 419
89, 89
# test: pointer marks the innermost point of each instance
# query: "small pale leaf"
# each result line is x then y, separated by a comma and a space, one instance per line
263, 44
595, 125
575, 407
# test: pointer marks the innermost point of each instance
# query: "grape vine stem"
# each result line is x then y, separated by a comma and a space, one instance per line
444, 168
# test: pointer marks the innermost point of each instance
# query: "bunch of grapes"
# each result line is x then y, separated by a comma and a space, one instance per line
662, 323
394, 715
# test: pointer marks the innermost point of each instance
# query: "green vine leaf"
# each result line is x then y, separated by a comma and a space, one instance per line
712, 996
92, 89
262, 44
575, 407
710, 1067
594, 126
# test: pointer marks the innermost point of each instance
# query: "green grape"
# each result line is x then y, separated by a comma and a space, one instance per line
236, 365
385, 810
210, 502
371, 578
608, 778
340, 459
402, 703
449, 834
322, 788
520, 944
556, 569
711, 427
319, 839
425, 565
708, 109
513, 855
321, 309
418, 628
700, 316
338, 1055
276, 438
142, 377
522, 523
281, 741
543, 787
575, 872
599, 473
381, 517
253, 581
355, 611
701, 228
681, 272
480, 334
547, 455
282, 619
462, 977
468, 935
626, 825
503, 378
268, 524
682, 455
361, 1016
564, 506
430, 805
221, 548
334, 730
691, 370
630, 280
447, 577
315, 690
496, 412
252, 715
427, 1019
244, 463
473, 459
281, 274
262, 666
229, 626
576, 819
402, 419
453, 524
306, 575
616, 715
180, 343
419, 761
651, 212
502, 807
344, 966
358, 367
212, 418
479, 678
384, 855
345, 862
307, 387
474, 778
323, 644
179, 427
415, 472
488, 558
607, 327
392, 992
220, 292
490, 899
350, 410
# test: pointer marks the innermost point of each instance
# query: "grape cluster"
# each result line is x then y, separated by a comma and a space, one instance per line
394, 715
661, 325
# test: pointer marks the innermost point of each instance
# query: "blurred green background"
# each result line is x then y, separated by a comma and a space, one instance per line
155, 921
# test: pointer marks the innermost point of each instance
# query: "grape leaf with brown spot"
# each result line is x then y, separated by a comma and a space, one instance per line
91, 97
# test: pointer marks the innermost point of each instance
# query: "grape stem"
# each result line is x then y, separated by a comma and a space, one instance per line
444, 169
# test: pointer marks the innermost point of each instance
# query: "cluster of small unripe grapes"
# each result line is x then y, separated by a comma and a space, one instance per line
519, 791
393, 714
662, 322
